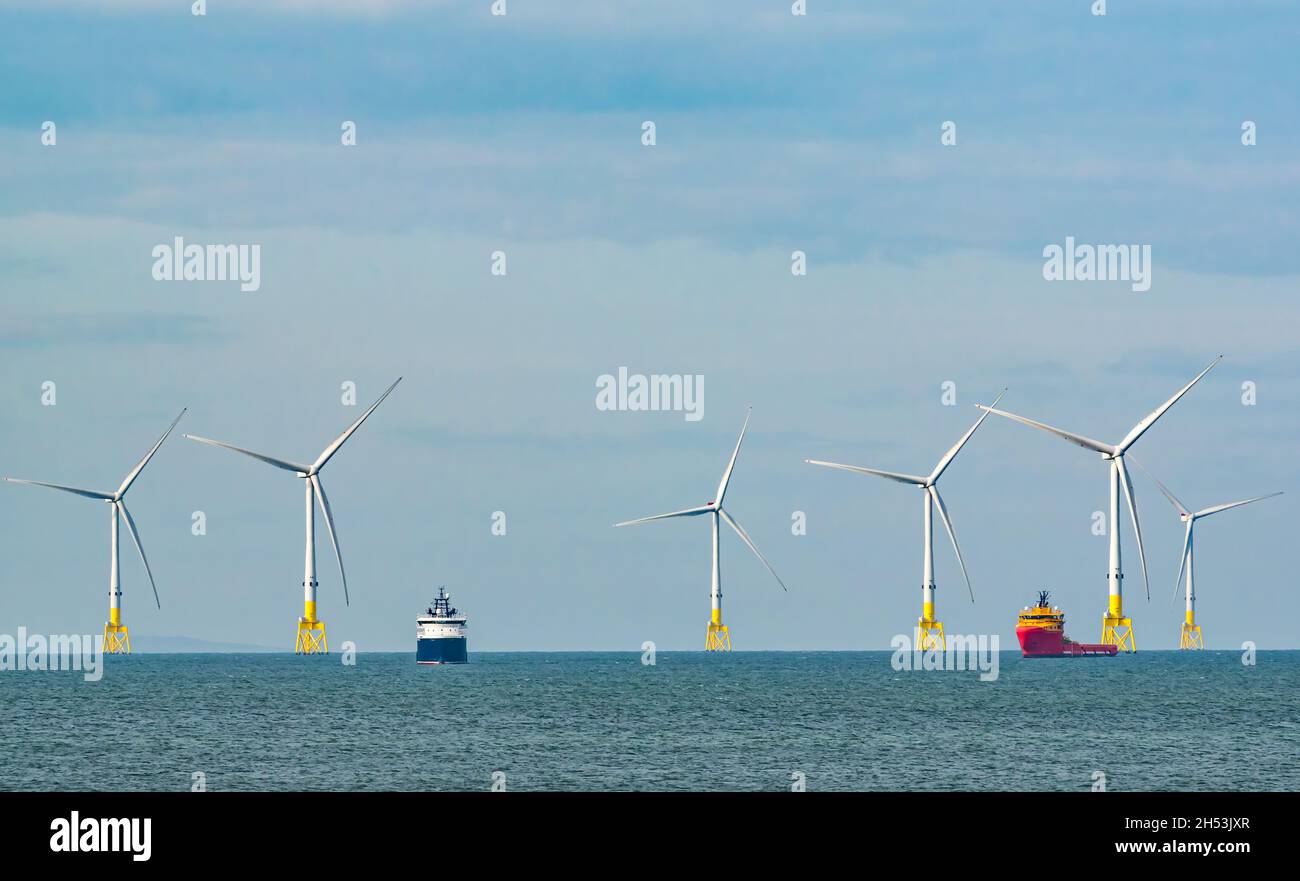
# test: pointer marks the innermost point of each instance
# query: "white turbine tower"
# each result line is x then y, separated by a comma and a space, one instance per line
1191, 634
718, 638
117, 638
311, 630
1115, 628
929, 630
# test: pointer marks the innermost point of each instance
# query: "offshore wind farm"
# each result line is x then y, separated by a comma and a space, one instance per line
929, 632
514, 278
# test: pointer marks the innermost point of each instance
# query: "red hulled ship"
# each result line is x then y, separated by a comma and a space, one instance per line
1041, 631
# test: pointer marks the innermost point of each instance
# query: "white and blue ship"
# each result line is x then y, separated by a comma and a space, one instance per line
440, 633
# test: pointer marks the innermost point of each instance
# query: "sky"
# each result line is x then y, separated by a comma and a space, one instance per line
522, 134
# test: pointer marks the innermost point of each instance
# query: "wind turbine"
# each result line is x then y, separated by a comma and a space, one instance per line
1115, 628
117, 638
929, 631
1191, 634
718, 638
311, 630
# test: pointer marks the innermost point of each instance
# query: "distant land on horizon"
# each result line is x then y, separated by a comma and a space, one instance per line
181, 645
167, 645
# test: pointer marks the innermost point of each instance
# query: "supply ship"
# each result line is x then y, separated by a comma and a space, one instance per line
440, 633
1041, 631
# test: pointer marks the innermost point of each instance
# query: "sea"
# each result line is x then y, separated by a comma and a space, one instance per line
688, 721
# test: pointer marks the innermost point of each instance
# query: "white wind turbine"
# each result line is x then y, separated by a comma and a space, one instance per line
718, 638
1191, 634
929, 631
311, 630
117, 638
1115, 628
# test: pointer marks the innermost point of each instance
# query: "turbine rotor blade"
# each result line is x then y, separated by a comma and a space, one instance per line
1217, 508
1150, 420
1173, 500
1086, 442
731, 464
135, 537
1182, 561
270, 460
135, 472
1127, 483
688, 512
88, 493
342, 438
324, 502
910, 479
951, 454
952, 536
744, 536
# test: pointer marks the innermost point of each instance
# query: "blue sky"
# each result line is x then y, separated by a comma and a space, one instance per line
522, 134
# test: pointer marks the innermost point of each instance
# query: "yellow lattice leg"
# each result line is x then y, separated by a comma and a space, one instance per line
929, 635
117, 638
1118, 632
717, 639
1116, 629
311, 637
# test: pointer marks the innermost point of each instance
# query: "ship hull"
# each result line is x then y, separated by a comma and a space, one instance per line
449, 650
1040, 642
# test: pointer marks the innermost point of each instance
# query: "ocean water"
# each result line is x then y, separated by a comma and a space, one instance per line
605, 721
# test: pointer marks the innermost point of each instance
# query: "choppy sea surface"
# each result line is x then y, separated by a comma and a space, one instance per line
606, 721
